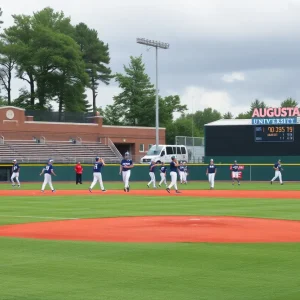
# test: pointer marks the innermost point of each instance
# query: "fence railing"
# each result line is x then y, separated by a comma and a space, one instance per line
114, 148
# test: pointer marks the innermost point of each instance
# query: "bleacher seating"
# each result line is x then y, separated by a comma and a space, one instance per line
62, 152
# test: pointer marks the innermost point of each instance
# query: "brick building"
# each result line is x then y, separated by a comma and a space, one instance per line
16, 127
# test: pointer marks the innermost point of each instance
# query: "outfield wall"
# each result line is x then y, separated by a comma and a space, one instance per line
253, 159
252, 172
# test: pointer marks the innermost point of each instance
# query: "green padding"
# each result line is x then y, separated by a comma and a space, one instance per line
141, 173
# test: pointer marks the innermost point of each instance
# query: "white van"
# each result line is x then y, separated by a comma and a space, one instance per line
164, 154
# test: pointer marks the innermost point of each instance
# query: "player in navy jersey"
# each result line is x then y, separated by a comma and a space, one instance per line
48, 171
173, 173
278, 168
15, 173
163, 171
186, 172
235, 173
181, 172
211, 172
152, 167
125, 169
97, 175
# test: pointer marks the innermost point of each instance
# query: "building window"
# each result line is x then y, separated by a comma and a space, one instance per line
149, 146
141, 147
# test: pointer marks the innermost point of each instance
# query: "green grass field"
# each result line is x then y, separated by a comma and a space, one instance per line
195, 185
51, 270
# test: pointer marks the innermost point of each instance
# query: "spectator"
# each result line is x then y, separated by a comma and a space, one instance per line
78, 170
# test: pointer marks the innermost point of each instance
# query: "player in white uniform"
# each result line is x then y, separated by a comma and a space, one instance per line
152, 174
211, 172
186, 172
277, 167
15, 173
163, 171
235, 173
181, 173
125, 169
173, 173
97, 174
48, 172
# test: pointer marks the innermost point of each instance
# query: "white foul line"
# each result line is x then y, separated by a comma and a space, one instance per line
35, 217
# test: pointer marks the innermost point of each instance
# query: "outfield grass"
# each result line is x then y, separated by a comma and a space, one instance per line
51, 270
195, 185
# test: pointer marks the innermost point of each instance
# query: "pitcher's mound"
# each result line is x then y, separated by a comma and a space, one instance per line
161, 229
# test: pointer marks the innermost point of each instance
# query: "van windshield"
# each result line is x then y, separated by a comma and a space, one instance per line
154, 151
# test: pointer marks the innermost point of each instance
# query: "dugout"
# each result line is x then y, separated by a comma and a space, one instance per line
5, 173
226, 140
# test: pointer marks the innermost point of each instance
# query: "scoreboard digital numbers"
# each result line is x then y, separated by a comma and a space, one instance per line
267, 133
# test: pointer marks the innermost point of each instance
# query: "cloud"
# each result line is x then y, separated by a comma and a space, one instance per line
234, 76
199, 98
223, 54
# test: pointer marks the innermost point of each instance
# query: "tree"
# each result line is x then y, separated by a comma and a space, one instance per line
255, 104
206, 116
112, 115
135, 105
43, 43
3, 102
1, 12
7, 64
182, 126
167, 107
246, 115
96, 57
20, 35
228, 115
289, 102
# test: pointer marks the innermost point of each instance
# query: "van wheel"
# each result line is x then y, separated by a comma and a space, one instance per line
158, 162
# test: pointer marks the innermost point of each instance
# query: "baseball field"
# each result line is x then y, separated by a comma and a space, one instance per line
234, 242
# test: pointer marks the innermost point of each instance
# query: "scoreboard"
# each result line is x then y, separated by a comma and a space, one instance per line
252, 140
273, 134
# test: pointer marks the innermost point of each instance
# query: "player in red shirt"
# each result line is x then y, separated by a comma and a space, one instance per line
78, 170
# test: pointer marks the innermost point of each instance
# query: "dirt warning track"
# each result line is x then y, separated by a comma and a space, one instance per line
184, 193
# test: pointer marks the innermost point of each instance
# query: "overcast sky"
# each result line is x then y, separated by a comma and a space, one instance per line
223, 54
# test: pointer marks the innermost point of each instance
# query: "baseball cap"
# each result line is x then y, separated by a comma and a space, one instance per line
211, 160
50, 160
173, 157
14, 160
96, 158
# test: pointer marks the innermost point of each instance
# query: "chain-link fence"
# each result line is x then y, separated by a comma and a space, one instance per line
195, 147
52, 116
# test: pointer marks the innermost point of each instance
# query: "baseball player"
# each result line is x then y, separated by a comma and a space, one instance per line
48, 172
152, 174
235, 173
78, 171
15, 173
173, 173
163, 170
125, 166
181, 172
277, 167
211, 172
97, 176
186, 172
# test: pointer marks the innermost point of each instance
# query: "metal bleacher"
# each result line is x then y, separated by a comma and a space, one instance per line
62, 152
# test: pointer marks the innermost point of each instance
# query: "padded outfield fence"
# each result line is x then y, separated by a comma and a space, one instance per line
251, 172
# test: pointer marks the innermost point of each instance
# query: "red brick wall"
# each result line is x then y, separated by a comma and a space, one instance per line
18, 128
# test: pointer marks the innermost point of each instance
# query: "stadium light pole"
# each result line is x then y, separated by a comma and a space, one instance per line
156, 45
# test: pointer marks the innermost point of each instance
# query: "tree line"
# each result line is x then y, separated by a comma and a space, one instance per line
56, 60
59, 62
